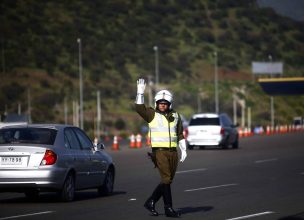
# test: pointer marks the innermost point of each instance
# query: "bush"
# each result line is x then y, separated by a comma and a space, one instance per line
187, 37
13, 91
205, 35
227, 60
225, 37
120, 124
219, 14
223, 24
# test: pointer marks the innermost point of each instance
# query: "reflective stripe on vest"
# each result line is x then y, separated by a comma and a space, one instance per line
163, 133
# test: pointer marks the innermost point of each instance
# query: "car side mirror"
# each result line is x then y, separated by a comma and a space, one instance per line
100, 146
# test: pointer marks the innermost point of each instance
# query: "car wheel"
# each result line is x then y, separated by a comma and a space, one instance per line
32, 194
225, 145
108, 185
235, 144
68, 190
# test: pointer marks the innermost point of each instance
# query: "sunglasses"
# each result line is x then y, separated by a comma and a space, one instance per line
163, 103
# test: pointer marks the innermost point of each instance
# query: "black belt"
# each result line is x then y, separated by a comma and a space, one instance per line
172, 149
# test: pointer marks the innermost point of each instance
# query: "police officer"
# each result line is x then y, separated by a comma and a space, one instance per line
166, 133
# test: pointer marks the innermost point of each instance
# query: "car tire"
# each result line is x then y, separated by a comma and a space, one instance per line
32, 194
235, 145
225, 146
108, 185
190, 147
67, 192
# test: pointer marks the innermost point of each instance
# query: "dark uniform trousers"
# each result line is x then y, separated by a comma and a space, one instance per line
167, 161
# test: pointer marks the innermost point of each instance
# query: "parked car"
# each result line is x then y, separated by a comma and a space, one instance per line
209, 129
47, 157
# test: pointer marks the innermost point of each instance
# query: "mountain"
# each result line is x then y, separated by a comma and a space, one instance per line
290, 8
40, 56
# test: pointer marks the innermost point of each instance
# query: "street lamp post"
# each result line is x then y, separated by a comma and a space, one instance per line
243, 105
3, 56
29, 106
98, 115
150, 83
271, 99
234, 108
80, 83
65, 108
199, 101
155, 48
272, 111
216, 84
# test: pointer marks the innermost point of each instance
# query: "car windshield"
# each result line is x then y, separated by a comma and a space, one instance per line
204, 121
27, 136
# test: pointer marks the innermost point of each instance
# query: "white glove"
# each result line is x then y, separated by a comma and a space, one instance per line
182, 147
141, 85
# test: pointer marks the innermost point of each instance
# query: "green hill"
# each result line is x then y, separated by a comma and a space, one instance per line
40, 54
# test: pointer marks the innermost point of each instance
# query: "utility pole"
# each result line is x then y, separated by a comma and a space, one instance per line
271, 99
29, 108
241, 102
65, 111
272, 111
98, 115
150, 83
249, 117
199, 109
75, 114
199, 100
243, 105
19, 108
80, 83
234, 108
216, 83
155, 48
3, 56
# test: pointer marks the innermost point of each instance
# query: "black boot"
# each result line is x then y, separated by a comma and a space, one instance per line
150, 203
169, 211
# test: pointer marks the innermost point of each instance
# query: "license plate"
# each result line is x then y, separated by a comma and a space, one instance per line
201, 132
11, 160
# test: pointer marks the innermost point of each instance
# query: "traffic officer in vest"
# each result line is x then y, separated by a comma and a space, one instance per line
166, 133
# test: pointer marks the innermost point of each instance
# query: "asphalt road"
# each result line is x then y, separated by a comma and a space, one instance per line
264, 179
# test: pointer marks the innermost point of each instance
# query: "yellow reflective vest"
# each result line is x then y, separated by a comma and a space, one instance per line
162, 132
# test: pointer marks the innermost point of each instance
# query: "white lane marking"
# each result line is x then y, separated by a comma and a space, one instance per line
212, 187
266, 160
250, 216
26, 215
132, 199
189, 171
